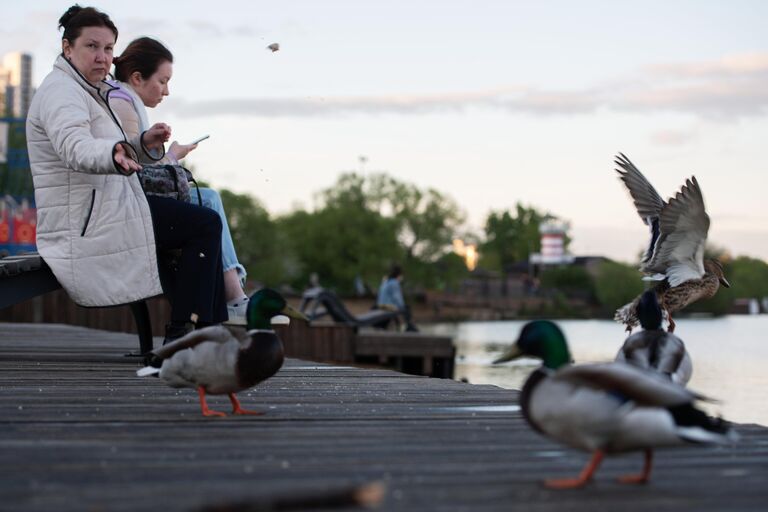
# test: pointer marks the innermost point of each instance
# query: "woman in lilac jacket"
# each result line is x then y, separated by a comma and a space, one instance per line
143, 71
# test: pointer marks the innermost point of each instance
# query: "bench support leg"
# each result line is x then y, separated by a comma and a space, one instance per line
143, 325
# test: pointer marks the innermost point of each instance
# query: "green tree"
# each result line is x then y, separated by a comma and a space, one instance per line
358, 228
255, 235
512, 237
364, 224
616, 284
444, 273
427, 221
343, 239
748, 277
573, 281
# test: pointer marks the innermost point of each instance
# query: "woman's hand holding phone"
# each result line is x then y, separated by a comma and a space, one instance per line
179, 151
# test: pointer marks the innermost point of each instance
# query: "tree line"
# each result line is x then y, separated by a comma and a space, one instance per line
359, 228
362, 224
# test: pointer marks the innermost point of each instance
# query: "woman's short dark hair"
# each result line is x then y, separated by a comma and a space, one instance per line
143, 55
77, 18
395, 271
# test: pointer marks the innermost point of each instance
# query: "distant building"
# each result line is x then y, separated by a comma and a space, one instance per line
16, 84
552, 245
18, 216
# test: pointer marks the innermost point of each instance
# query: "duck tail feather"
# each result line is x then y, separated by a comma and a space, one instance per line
625, 314
694, 426
698, 435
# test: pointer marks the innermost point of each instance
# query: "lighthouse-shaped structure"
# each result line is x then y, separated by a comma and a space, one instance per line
552, 245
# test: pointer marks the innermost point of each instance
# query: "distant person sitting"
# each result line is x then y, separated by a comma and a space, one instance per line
391, 297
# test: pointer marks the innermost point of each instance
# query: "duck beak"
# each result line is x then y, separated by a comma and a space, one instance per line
724, 282
513, 353
294, 313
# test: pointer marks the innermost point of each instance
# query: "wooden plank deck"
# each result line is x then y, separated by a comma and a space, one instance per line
78, 431
322, 340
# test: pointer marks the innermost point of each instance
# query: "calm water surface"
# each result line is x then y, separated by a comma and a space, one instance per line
730, 356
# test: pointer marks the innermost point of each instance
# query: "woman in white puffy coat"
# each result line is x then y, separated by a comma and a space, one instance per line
95, 226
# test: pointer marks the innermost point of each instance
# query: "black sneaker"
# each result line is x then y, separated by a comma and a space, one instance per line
176, 331
172, 333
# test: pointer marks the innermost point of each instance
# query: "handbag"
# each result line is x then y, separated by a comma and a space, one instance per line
166, 180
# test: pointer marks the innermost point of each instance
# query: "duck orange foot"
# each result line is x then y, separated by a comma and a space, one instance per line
204, 405
237, 408
644, 476
582, 479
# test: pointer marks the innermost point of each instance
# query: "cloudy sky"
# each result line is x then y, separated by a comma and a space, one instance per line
490, 102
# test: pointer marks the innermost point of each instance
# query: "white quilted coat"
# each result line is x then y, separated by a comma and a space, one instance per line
94, 227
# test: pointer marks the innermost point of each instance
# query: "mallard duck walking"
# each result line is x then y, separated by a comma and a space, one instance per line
675, 255
605, 408
653, 348
217, 361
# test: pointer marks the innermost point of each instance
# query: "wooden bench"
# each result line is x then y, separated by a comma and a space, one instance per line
415, 353
27, 276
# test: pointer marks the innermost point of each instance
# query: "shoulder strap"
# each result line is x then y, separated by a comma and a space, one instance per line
191, 179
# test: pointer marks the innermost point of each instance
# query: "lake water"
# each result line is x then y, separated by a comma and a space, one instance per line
730, 356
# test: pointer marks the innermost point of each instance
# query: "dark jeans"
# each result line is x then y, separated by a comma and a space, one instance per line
197, 286
404, 314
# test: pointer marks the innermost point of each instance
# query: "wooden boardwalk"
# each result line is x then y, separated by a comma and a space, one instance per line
79, 432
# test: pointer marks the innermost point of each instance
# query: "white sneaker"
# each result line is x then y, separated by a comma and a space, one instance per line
237, 313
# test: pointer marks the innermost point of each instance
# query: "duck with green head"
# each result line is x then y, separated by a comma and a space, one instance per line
653, 347
216, 360
605, 408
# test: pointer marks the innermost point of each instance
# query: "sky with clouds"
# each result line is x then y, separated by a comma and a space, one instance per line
489, 102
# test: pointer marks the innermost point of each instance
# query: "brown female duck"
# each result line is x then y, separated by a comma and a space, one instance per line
675, 255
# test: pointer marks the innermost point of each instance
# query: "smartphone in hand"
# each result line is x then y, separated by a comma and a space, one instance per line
200, 139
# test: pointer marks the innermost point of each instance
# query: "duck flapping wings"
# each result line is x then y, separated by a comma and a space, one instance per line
678, 227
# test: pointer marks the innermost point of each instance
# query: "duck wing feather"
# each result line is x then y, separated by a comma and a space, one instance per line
641, 386
214, 333
683, 225
648, 202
